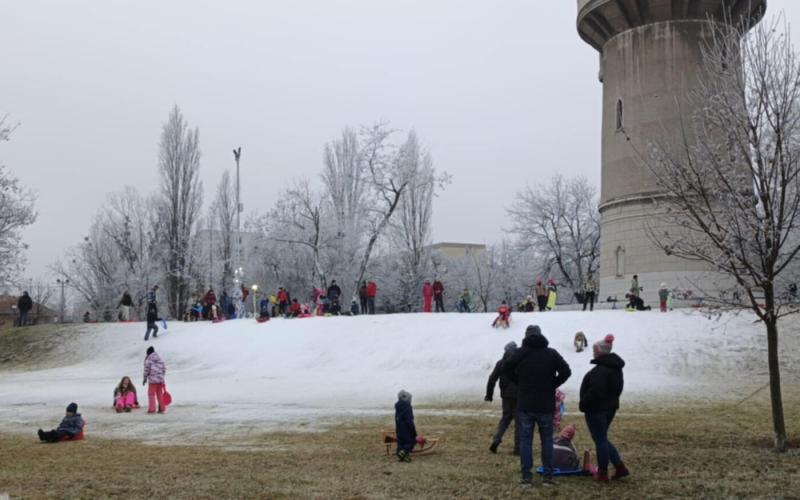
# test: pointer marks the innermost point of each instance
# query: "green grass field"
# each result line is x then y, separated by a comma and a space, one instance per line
690, 450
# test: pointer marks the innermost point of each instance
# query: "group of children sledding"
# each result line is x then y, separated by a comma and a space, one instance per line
125, 400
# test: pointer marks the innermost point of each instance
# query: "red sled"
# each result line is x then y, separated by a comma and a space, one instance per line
218, 320
76, 437
167, 398
424, 445
263, 320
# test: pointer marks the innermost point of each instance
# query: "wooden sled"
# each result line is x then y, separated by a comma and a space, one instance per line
425, 446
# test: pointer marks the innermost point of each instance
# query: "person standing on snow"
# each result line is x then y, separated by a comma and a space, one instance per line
124, 306
372, 292
600, 392
663, 297
152, 317
538, 371
541, 296
465, 301
154, 372
363, 297
438, 295
24, 306
588, 293
508, 393
635, 288
283, 301
427, 296
405, 430
334, 292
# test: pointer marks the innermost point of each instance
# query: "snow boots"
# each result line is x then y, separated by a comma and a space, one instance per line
620, 471
404, 456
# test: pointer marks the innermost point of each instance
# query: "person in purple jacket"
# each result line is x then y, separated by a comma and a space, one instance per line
154, 372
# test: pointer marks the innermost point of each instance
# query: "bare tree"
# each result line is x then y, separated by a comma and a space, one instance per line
411, 232
731, 184
560, 222
179, 206
223, 216
16, 212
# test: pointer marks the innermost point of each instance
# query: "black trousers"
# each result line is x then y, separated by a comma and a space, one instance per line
53, 436
364, 306
588, 299
509, 414
439, 303
541, 301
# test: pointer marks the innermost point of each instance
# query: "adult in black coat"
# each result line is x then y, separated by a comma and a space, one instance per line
538, 371
508, 392
405, 429
24, 305
334, 292
600, 391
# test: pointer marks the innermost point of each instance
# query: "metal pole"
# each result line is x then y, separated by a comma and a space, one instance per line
237, 153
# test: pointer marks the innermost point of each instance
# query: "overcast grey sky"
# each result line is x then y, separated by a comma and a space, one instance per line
501, 92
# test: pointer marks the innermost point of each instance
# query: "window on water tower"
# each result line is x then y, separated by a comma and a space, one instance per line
620, 262
620, 122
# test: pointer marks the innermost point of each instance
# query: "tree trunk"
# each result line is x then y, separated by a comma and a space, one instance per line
778, 424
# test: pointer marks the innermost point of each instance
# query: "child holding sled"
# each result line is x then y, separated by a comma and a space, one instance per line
125, 396
404, 426
71, 425
503, 318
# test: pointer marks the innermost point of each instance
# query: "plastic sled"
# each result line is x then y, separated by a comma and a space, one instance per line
565, 472
263, 320
76, 437
218, 320
424, 445
167, 398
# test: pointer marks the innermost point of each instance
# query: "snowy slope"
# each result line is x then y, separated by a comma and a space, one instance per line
251, 375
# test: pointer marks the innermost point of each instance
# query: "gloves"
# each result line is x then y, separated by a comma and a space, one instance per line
144, 382
488, 398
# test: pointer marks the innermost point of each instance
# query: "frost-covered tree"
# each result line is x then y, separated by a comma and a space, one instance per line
731, 184
560, 223
16, 212
179, 207
222, 229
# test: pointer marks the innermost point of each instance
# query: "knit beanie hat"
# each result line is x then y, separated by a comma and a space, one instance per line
532, 330
604, 346
510, 346
151, 350
568, 432
404, 395
72, 408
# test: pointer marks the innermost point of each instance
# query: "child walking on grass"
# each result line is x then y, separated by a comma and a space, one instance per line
70, 426
404, 426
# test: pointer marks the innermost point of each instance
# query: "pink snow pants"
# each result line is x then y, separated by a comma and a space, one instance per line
124, 401
155, 392
426, 304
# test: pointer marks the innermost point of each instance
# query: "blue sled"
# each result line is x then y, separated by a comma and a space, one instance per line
564, 472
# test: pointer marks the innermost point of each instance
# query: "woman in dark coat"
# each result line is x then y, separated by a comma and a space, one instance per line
600, 391
404, 426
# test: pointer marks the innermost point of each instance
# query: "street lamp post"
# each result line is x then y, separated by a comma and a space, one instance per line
62, 306
255, 292
237, 154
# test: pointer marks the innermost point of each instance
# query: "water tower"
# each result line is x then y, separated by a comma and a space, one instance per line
650, 55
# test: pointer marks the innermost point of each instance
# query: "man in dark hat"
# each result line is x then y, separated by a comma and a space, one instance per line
538, 371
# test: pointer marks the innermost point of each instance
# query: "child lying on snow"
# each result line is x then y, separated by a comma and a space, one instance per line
125, 396
69, 427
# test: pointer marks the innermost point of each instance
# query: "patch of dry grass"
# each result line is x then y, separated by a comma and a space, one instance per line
697, 450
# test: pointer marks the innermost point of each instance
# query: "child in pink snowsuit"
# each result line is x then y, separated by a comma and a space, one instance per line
125, 396
427, 296
558, 412
154, 372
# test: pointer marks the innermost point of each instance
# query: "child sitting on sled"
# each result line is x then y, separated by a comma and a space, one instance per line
565, 455
125, 396
404, 426
71, 425
503, 316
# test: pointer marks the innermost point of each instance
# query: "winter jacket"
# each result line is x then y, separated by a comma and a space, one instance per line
438, 288
427, 290
210, 298
602, 385
635, 289
663, 294
565, 456
508, 389
283, 297
372, 289
503, 311
152, 314
538, 371
25, 303
154, 369
466, 297
126, 300
152, 298
588, 286
541, 291
131, 391
334, 292
295, 308
363, 292
71, 425
404, 425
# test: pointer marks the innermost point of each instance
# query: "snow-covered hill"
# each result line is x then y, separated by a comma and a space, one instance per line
246, 375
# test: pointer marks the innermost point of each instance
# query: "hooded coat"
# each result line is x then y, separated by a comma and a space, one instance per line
404, 425
71, 424
602, 385
508, 389
538, 371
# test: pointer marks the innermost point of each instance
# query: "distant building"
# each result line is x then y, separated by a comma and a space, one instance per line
458, 250
8, 312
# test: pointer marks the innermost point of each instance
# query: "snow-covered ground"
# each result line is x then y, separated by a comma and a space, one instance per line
241, 377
